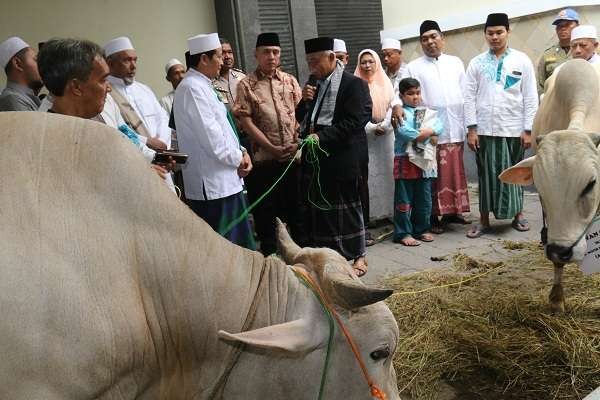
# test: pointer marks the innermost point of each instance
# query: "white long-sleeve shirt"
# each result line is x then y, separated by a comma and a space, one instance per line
500, 94
442, 89
204, 133
144, 102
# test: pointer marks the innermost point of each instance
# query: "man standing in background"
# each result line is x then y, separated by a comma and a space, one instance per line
23, 81
175, 72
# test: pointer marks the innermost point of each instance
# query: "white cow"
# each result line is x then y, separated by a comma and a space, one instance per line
110, 288
566, 167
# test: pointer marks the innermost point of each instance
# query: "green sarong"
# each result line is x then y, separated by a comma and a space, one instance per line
494, 156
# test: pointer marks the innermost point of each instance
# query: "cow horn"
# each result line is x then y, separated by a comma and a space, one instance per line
288, 250
350, 293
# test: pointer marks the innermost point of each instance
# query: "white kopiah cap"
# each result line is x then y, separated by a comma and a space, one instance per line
203, 43
339, 46
117, 45
172, 62
9, 48
389, 43
584, 32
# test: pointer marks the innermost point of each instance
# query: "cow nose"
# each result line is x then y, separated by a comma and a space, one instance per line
559, 253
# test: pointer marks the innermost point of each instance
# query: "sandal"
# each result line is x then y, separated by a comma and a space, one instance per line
426, 237
478, 231
521, 225
437, 229
360, 266
408, 241
369, 241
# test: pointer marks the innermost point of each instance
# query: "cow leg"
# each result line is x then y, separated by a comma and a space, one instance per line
544, 231
557, 297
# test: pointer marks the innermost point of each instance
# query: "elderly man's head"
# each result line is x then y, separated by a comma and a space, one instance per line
175, 72
75, 72
392, 54
320, 56
122, 59
19, 61
584, 42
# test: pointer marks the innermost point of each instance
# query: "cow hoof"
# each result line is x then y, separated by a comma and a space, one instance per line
557, 300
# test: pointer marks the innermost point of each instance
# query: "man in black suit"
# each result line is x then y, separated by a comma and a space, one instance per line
334, 110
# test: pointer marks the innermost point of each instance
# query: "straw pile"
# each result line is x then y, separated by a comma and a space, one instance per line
493, 336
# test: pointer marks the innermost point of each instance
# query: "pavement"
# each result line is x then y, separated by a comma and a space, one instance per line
387, 258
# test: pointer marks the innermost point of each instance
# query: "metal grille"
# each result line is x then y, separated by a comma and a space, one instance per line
357, 22
274, 16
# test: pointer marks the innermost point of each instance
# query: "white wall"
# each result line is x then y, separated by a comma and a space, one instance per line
158, 28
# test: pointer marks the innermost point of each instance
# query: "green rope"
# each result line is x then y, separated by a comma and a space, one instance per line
312, 152
313, 158
331, 332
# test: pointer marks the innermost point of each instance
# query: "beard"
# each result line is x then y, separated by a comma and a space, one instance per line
35, 85
128, 81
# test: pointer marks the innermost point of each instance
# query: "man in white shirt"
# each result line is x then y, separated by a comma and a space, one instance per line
122, 61
500, 104
217, 163
175, 72
394, 67
442, 79
584, 43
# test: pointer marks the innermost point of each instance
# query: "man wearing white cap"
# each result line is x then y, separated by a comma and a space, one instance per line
135, 96
584, 43
339, 48
19, 62
175, 72
206, 131
392, 58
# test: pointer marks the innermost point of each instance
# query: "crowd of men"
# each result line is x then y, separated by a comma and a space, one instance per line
248, 131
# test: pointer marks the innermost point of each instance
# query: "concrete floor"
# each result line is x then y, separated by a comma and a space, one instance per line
388, 258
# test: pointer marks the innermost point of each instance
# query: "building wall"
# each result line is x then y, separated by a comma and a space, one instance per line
531, 33
158, 29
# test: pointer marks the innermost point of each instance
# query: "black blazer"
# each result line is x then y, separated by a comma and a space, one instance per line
345, 140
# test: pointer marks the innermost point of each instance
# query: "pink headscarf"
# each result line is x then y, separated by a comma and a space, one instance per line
380, 87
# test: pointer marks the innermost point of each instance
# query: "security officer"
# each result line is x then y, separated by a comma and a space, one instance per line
229, 77
557, 54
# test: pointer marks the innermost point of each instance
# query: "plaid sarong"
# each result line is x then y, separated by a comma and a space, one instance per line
341, 227
494, 156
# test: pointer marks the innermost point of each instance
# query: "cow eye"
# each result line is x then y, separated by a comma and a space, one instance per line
588, 188
380, 354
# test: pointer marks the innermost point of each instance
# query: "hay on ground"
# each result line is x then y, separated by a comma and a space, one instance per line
494, 336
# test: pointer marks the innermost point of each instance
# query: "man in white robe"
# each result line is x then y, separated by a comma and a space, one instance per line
122, 61
442, 79
217, 162
175, 71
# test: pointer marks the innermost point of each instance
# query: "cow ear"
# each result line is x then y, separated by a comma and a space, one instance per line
298, 336
595, 138
519, 174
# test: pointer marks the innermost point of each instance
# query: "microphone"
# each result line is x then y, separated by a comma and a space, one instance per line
312, 81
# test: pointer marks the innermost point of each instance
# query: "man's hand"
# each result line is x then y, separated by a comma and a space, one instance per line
379, 131
245, 165
156, 144
160, 171
526, 140
308, 92
434, 140
397, 115
473, 139
424, 134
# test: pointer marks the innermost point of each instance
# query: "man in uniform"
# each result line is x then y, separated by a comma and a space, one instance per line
265, 106
23, 80
557, 54
217, 163
229, 76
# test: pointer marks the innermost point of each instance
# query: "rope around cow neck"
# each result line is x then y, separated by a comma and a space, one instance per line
312, 158
307, 281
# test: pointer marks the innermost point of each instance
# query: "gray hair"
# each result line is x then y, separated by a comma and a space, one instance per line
61, 60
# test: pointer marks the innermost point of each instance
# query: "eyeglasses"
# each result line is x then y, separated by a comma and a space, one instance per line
367, 62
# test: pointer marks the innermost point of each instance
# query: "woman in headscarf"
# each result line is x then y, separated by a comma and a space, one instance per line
380, 139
